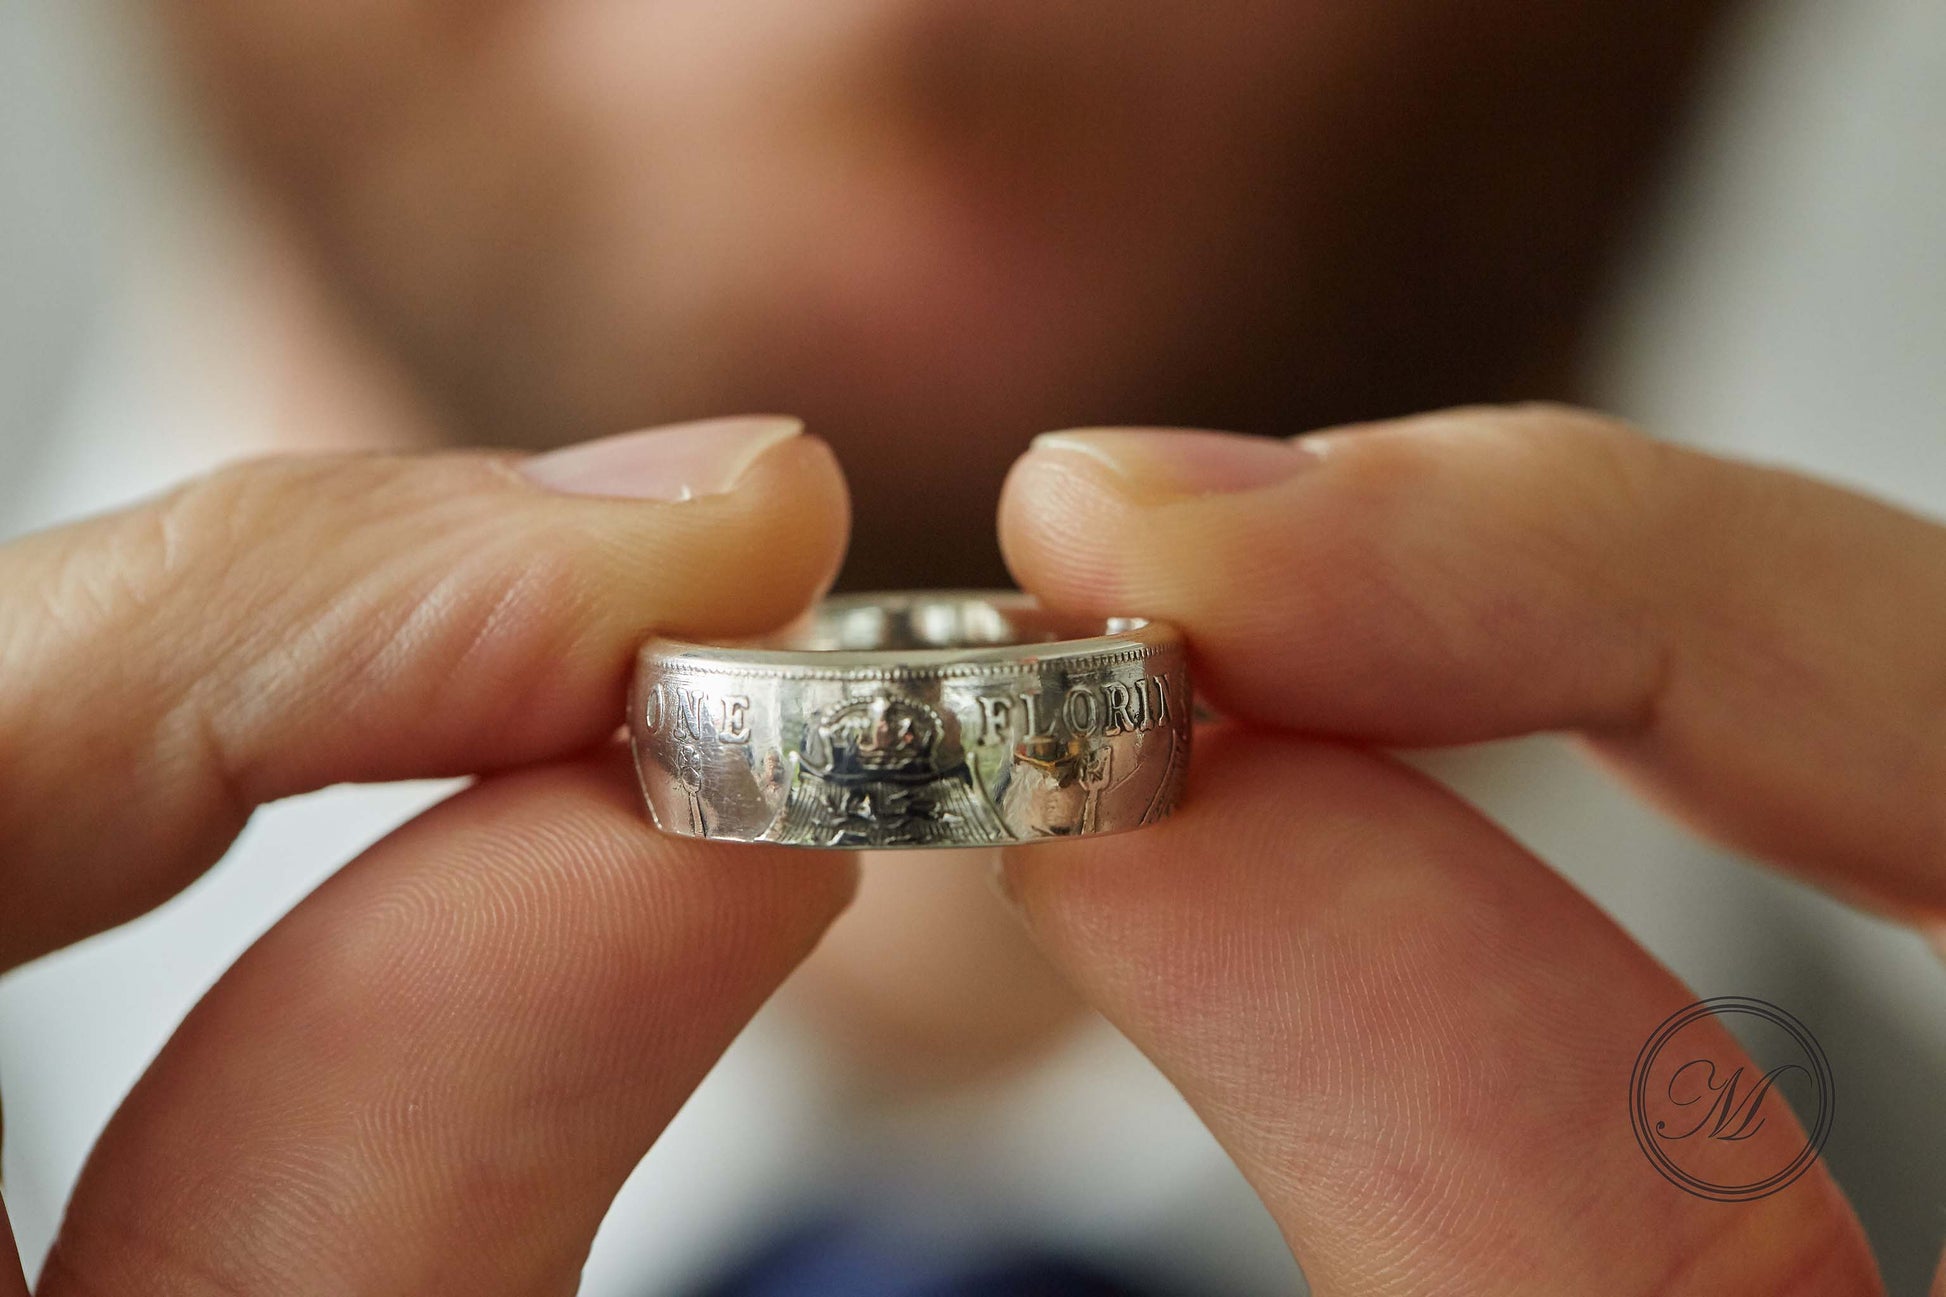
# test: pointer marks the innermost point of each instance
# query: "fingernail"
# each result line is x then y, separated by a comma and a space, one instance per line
679, 462
1168, 461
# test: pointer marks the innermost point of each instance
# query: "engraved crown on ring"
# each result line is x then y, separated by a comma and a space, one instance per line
875, 738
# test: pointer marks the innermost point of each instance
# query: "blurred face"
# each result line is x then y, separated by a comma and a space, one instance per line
935, 226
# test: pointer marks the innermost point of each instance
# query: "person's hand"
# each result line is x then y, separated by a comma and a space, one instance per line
435, 1073
1411, 1035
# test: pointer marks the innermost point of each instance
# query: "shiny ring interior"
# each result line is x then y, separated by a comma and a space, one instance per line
943, 719
942, 620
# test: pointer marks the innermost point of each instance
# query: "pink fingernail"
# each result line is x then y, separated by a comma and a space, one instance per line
1183, 462
679, 462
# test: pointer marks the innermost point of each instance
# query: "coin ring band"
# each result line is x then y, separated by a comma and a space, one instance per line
938, 719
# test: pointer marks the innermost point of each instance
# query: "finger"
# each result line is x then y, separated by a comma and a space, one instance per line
13, 1283
296, 623
435, 1074
1414, 1038
1759, 650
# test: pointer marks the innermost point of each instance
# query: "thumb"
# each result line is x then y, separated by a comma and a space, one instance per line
290, 624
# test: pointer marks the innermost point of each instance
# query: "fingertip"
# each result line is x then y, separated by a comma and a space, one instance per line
1062, 523
798, 526
720, 565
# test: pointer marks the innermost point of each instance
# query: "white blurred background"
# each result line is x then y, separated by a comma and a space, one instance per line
1789, 303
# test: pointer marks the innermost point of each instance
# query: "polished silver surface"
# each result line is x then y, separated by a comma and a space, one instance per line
938, 719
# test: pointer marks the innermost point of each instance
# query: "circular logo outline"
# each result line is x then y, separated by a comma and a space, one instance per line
1719, 1006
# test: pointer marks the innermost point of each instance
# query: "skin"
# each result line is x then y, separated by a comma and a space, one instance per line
435, 1073
950, 223
475, 1029
933, 228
